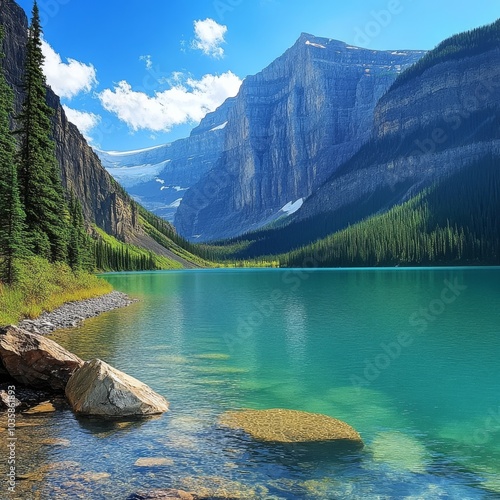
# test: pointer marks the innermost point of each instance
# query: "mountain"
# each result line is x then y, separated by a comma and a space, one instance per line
290, 127
436, 128
158, 177
103, 201
438, 117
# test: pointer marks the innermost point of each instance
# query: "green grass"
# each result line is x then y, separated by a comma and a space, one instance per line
169, 244
41, 286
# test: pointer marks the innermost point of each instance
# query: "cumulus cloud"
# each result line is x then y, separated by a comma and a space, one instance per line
209, 36
84, 121
187, 101
67, 79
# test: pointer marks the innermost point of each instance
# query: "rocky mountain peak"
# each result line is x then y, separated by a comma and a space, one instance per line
290, 127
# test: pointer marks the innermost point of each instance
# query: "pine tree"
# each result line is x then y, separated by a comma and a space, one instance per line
79, 245
11, 213
41, 188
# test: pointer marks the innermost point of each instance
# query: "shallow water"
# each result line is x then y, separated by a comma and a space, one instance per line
407, 357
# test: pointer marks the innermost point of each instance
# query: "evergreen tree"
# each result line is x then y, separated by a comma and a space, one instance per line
11, 213
79, 245
39, 175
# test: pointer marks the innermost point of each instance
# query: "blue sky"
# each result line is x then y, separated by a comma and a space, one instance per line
137, 74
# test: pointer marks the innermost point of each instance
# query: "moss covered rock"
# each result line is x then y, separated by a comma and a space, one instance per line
289, 426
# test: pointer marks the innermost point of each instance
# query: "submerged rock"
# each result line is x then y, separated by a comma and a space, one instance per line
290, 426
400, 451
99, 389
218, 487
162, 495
36, 361
153, 462
45, 407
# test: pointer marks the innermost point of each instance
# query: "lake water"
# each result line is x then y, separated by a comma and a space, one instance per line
408, 357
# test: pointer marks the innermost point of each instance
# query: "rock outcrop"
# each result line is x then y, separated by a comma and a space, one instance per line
289, 426
101, 390
290, 127
36, 361
103, 201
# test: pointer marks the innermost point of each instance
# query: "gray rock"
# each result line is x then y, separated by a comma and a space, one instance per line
101, 390
7, 401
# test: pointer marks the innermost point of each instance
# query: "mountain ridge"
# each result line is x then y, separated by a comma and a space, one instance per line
309, 106
426, 130
157, 177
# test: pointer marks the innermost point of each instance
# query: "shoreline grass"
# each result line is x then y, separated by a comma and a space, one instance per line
42, 287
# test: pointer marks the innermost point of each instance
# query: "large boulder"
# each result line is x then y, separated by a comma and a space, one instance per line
36, 361
290, 426
99, 389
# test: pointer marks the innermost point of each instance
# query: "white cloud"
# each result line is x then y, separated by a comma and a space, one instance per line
67, 79
84, 121
209, 36
147, 60
186, 101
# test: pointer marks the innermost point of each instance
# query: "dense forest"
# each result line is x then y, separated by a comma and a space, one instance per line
456, 221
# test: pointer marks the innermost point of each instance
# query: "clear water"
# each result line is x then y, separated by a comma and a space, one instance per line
408, 357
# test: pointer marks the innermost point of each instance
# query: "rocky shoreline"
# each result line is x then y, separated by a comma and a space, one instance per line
72, 314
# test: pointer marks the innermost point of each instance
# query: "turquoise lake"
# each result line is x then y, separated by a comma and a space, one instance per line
409, 357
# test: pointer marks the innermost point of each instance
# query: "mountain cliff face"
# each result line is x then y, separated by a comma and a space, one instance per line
159, 177
103, 201
428, 125
290, 128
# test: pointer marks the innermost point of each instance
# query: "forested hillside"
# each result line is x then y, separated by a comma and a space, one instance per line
456, 222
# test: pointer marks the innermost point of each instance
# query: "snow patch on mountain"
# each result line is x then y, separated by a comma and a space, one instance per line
292, 207
317, 45
176, 203
131, 176
219, 127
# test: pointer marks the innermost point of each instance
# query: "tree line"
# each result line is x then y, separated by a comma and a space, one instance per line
454, 222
